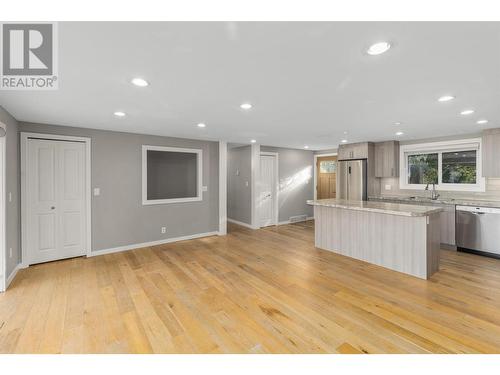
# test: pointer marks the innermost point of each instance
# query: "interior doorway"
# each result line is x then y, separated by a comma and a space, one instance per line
325, 169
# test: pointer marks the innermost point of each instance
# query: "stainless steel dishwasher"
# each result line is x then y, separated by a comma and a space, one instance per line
478, 229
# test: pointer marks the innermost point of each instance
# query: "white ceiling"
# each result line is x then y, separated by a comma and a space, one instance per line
308, 82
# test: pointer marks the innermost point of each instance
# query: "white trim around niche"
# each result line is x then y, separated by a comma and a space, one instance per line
199, 175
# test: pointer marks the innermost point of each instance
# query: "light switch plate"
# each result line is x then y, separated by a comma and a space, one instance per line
204, 188
97, 192
246, 183
388, 187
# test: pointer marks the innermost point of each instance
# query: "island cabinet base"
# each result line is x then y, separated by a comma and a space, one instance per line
408, 244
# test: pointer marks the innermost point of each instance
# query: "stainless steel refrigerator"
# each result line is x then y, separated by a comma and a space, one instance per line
352, 180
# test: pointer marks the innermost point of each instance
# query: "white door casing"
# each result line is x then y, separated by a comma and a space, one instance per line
56, 222
3, 260
267, 200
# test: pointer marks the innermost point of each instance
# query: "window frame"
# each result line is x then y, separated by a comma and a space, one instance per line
469, 144
199, 175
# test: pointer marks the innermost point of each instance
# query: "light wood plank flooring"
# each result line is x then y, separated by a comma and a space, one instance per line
265, 291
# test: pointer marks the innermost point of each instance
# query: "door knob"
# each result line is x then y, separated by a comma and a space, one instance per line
52, 208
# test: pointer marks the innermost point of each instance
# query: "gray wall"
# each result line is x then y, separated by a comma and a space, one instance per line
118, 216
239, 195
12, 185
295, 180
172, 175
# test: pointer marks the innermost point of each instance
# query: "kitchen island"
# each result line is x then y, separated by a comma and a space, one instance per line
401, 237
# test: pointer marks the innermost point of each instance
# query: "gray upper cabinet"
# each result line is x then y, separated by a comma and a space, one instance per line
491, 152
387, 159
353, 151
344, 152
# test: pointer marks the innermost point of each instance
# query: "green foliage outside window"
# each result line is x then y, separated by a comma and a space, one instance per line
458, 167
423, 169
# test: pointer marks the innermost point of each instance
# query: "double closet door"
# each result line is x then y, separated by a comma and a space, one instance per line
56, 205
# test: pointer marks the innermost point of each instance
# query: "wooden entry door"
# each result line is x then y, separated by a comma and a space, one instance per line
326, 184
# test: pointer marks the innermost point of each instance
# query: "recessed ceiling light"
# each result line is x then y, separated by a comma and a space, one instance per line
140, 82
482, 121
253, 141
119, 114
399, 133
306, 147
378, 48
467, 112
201, 125
344, 141
446, 98
246, 106
397, 123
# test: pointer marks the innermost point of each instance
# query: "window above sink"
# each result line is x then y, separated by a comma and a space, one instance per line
451, 165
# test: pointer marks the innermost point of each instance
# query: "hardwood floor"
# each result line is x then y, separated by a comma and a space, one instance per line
265, 291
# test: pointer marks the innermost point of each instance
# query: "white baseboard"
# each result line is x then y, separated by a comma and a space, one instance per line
288, 221
152, 243
240, 223
12, 275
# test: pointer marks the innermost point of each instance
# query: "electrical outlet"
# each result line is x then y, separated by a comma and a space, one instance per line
97, 192
246, 183
10, 196
10, 252
388, 187
163, 230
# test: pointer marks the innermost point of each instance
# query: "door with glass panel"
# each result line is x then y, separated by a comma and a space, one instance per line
326, 184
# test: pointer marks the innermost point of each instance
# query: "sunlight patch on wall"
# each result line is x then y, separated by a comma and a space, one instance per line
290, 184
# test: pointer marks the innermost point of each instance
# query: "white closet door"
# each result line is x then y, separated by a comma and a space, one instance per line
56, 200
266, 201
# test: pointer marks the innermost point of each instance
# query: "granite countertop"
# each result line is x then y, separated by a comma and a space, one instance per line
380, 207
444, 200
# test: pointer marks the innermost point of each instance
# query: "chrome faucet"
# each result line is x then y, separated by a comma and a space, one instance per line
434, 194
